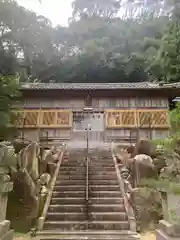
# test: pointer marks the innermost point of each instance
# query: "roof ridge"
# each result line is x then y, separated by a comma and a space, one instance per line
89, 86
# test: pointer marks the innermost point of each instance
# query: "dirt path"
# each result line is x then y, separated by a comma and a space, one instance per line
148, 236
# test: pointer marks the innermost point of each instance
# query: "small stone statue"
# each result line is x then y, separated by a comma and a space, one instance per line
125, 173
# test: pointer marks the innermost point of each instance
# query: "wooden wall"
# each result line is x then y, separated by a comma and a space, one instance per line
101, 103
122, 116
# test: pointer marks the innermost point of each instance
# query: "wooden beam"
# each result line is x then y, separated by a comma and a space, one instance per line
45, 118
143, 118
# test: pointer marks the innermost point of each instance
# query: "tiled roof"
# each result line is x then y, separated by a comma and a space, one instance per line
90, 86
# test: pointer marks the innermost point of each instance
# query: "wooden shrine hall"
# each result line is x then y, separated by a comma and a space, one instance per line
120, 112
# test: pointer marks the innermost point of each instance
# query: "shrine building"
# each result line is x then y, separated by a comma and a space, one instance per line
53, 112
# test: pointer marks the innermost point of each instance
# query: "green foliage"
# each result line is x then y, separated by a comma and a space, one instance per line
149, 210
169, 177
106, 41
163, 184
8, 91
167, 58
175, 119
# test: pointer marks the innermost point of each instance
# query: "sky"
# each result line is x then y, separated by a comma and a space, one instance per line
58, 11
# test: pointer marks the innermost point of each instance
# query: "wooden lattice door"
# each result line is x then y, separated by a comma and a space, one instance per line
93, 120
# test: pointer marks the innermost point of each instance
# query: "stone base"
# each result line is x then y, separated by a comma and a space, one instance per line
5, 232
167, 231
160, 235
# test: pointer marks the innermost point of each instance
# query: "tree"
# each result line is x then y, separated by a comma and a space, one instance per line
101, 8
23, 33
8, 91
99, 43
175, 119
166, 64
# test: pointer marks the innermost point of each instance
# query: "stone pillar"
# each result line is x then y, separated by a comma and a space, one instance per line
5, 187
169, 228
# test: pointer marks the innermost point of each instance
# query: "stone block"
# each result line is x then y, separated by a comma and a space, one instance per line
6, 187
169, 229
160, 235
4, 227
8, 236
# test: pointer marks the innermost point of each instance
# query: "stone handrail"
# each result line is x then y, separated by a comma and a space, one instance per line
122, 185
41, 219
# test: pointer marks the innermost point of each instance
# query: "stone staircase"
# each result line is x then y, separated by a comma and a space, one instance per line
67, 210
70, 216
106, 206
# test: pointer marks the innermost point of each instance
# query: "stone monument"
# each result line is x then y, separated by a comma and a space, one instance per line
5, 187
169, 228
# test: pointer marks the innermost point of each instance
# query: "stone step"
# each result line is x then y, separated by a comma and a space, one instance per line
103, 182
86, 232
79, 194
103, 177
76, 200
60, 188
72, 165
102, 157
104, 188
109, 225
83, 168
65, 225
80, 225
70, 182
101, 165
74, 160
91, 164
70, 177
93, 216
100, 194
94, 237
64, 201
106, 200
108, 216
76, 168
78, 208
102, 172
102, 162
83, 182
106, 208
67, 216
92, 194
101, 168
82, 208
91, 173
88, 235
72, 173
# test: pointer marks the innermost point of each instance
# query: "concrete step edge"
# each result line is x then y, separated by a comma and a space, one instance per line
85, 222
66, 205
65, 213
88, 232
81, 205
67, 198
94, 185
79, 191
